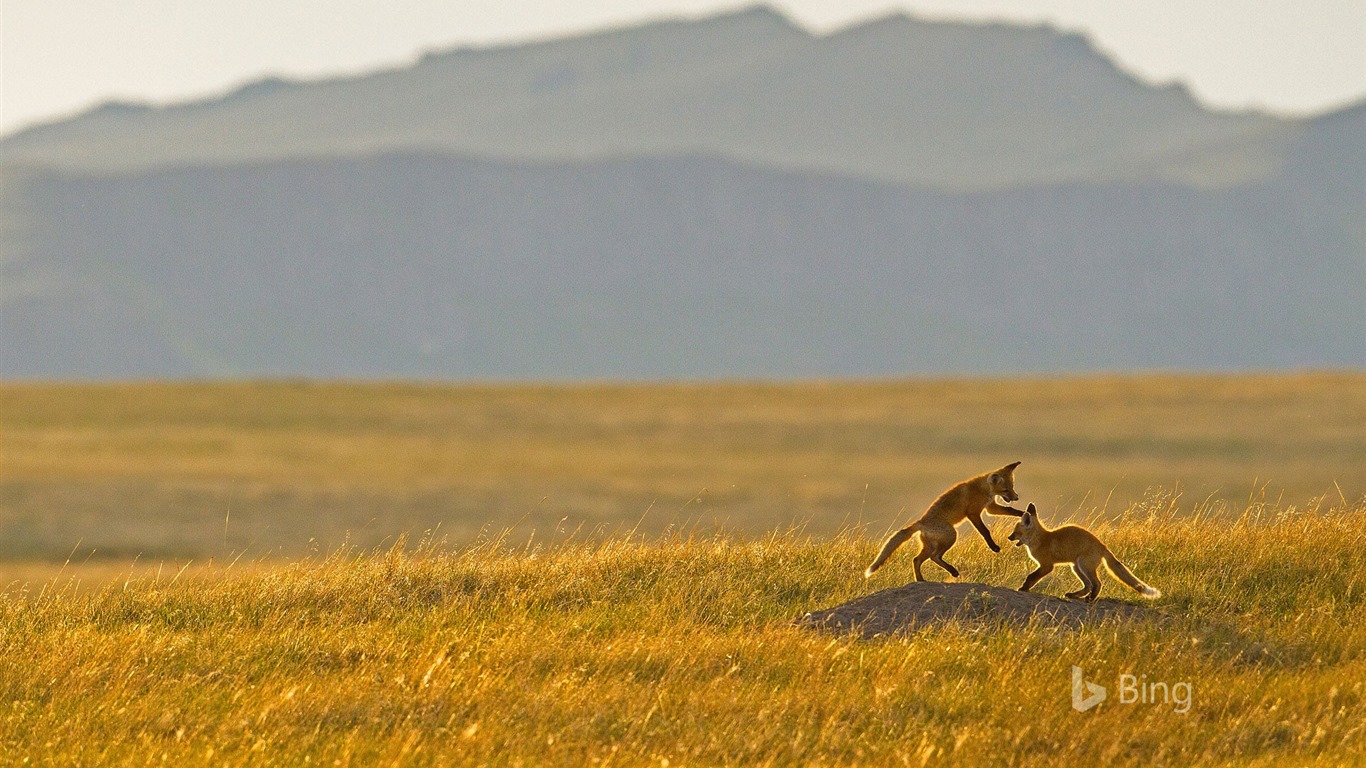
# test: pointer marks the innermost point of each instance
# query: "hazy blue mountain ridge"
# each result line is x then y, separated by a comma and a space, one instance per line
724, 197
943, 105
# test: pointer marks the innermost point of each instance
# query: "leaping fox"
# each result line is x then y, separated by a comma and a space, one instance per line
967, 500
1075, 546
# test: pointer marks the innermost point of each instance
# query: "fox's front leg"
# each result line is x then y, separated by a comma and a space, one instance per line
1034, 577
982, 529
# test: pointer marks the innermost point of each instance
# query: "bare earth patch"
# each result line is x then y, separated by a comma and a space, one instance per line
901, 610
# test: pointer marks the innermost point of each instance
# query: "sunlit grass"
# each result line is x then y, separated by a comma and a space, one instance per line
576, 603
680, 649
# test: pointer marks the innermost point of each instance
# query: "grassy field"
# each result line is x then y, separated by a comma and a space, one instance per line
681, 651
282, 469
192, 626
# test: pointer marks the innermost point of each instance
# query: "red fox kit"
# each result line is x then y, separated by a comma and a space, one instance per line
967, 500
1075, 546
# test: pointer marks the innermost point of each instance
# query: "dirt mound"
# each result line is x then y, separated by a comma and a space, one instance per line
900, 610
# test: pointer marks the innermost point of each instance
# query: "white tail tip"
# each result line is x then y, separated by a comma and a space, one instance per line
867, 573
1150, 592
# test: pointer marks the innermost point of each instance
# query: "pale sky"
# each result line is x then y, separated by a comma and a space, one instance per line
61, 56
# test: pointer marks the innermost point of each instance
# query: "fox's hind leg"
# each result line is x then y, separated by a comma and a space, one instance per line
920, 557
939, 558
935, 540
1090, 580
1085, 585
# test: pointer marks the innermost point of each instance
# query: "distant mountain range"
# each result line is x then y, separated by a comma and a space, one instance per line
725, 197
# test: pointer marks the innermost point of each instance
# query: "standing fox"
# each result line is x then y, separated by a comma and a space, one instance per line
967, 500
1075, 546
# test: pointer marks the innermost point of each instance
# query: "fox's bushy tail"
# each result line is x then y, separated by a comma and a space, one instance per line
1127, 576
896, 540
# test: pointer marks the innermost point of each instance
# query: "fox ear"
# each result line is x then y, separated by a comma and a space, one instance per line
1031, 510
1007, 469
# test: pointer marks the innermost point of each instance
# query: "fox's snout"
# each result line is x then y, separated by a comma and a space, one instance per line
1010, 496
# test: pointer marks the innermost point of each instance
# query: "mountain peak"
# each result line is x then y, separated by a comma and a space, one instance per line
755, 19
266, 86
750, 24
755, 15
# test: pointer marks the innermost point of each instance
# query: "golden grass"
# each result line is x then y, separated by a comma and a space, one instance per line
192, 470
680, 651
193, 628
